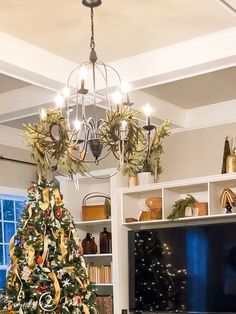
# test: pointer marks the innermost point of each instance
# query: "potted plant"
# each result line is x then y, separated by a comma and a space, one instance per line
179, 207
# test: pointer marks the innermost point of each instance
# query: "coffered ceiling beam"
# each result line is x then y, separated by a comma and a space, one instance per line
211, 115
17, 103
196, 56
185, 59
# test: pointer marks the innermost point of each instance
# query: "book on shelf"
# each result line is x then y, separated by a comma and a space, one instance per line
100, 274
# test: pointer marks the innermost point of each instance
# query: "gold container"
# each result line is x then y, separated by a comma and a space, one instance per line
133, 180
231, 164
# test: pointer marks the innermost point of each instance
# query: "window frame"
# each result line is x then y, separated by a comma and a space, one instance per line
14, 194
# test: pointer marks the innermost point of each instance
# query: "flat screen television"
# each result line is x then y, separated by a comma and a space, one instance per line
190, 269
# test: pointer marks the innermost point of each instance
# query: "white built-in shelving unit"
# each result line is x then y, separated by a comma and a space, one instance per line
125, 203
204, 189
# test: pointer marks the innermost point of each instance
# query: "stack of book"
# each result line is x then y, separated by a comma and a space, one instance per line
100, 274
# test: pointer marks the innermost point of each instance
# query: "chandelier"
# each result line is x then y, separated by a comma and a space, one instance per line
68, 140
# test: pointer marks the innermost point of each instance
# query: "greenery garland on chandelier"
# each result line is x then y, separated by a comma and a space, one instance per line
53, 145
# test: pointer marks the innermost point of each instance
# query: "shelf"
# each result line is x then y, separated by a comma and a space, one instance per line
179, 183
97, 255
181, 220
93, 222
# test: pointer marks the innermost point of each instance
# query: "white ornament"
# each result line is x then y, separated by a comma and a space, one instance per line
46, 302
26, 273
66, 283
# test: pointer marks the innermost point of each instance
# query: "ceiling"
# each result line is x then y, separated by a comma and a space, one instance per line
123, 28
126, 33
200, 90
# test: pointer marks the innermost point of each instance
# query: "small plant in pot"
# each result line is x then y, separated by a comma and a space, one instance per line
179, 207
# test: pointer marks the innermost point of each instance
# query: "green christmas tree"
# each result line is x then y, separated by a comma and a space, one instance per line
47, 271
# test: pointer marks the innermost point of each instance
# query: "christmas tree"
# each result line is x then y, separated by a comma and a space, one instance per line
47, 271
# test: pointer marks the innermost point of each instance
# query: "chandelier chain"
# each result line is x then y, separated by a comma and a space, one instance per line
92, 40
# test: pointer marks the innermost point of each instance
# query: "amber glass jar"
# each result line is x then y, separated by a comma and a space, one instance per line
88, 244
105, 241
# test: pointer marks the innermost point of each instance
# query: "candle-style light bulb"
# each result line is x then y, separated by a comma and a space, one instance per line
59, 100
117, 97
43, 114
82, 75
147, 111
66, 91
77, 125
125, 87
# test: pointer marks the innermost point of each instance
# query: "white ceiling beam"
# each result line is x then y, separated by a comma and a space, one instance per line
185, 59
211, 115
11, 137
200, 55
15, 102
32, 64
196, 56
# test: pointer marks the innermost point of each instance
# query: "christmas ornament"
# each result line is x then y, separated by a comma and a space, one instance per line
46, 302
59, 213
39, 260
26, 274
76, 300
66, 283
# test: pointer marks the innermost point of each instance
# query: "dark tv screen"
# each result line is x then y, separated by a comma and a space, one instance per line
190, 269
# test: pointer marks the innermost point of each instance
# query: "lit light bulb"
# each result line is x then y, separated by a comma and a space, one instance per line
66, 91
125, 87
147, 110
83, 73
59, 100
43, 114
117, 98
77, 125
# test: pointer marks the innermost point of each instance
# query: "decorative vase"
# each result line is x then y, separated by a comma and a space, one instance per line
133, 180
105, 241
88, 244
144, 178
231, 164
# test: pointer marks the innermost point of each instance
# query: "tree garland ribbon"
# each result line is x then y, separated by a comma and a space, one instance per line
57, 288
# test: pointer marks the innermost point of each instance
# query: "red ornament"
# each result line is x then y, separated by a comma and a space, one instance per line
76, 300
59, 213
39, 260
48, 212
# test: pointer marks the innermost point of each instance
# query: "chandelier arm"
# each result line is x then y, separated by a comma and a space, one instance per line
105, 77
94, 89
109, 66
107, 177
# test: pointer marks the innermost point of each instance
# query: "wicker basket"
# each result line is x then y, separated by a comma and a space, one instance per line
95, 212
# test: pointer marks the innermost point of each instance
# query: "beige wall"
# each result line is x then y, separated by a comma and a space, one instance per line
15, 174
195, 153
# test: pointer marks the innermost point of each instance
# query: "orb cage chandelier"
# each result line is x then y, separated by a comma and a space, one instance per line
62, 139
